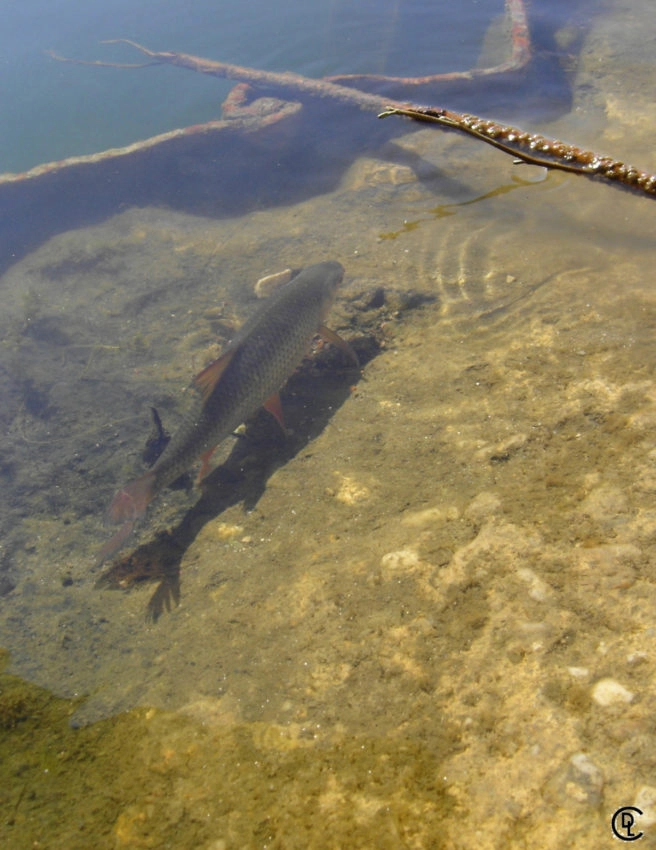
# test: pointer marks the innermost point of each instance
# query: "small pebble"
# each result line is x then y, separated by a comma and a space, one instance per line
609, 692
538, 589
350, 491
578, 672
402, 559
585, 781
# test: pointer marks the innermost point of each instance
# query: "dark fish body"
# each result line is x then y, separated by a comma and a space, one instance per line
254, 366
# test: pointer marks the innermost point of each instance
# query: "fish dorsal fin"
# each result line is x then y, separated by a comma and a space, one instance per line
207, 380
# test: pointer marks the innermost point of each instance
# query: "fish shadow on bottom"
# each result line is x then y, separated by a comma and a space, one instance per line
310, 398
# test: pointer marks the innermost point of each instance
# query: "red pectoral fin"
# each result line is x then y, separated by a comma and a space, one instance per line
207, 380
342, 344
273, 406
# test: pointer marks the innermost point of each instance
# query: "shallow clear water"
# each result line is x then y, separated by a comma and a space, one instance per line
424, 617
50, 111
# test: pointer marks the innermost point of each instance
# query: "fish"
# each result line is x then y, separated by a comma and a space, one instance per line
248, 375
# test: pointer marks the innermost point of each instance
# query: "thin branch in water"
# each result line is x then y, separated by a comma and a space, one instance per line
517, 23
534, 148
98, 63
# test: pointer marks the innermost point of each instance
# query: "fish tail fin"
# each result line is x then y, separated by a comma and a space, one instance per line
114, 543
127, 506
131, 501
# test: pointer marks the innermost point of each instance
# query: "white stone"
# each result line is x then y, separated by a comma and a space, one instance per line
402, 559
578, 672
609, 692
538, 589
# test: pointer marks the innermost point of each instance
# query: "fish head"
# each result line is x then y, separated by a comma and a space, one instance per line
328, 277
